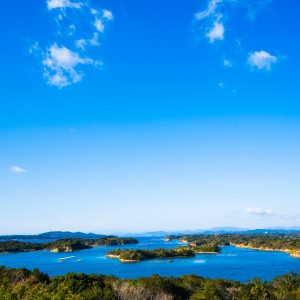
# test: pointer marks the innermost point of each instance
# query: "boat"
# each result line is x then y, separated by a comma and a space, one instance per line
62, 259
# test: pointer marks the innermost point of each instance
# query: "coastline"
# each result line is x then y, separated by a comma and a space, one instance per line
295, 254
134, 260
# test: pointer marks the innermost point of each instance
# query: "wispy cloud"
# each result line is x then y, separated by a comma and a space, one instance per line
55, 4
209, 11
262, 60
211, 17
107, 14
259, 211
227, 63
79, 28
212, 21
60, 66
216, 32
99, 25
17, 170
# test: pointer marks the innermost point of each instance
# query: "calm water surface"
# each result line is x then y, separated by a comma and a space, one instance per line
231, 263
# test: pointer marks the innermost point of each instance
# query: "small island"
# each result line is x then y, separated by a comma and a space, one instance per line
135, 255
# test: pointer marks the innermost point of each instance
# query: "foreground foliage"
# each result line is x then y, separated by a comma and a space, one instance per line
24, 284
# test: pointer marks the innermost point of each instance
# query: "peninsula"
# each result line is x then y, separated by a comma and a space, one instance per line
64, 245
289, 243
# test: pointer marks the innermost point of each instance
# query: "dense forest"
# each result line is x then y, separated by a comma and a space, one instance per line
22, 284
288, 243
211, 244
128, 255
64, 245
15, 246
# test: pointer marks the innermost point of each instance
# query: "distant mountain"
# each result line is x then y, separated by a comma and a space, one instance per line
54, 235
148, 234
186, 232
296, 228
68, 234
224, 230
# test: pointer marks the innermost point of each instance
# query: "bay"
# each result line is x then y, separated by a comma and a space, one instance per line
231, 263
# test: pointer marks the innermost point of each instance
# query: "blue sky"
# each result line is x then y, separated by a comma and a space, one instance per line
147, 115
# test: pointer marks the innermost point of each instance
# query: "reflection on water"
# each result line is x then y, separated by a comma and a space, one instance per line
199, 261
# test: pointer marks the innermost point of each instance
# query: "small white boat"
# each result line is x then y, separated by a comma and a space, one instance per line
65, 258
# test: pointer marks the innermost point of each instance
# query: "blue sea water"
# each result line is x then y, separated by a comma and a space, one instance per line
230, 263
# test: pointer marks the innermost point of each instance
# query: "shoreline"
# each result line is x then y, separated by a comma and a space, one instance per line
133, 260
295, 254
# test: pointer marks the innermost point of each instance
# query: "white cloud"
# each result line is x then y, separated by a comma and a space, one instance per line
34, 48
94, 11
217, 29
213, 20
216, 32
107, 14
211, 10
94, 41
81, 44
54, 4
99, 25
262, 60
17, 170
62, 61
60, 65
259, 211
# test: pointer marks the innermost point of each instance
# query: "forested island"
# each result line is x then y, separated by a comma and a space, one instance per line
64, 245
211, 244
22, 284
134, 255
286, 243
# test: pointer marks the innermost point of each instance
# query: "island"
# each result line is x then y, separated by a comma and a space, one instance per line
68, 245
136, 255
275, 242
15, 246
64, 245
211, 244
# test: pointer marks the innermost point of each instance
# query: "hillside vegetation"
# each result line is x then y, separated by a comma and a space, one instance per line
64, 245
287, 243
130, 255
22, 284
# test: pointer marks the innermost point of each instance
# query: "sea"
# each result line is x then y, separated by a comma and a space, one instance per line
231, 263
